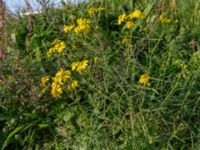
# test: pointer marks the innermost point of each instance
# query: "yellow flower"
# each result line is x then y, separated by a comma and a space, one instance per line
60, 77
121, 18
79, 66
83, 25
129, 25
83, 21
44, 80
50, 52
56, 90
73, 85
82, 29
164, 20
74, 66
63, 75
92, 11
137, 14
68, 28
95, 59
59, 47
125, 40
144, 79
56, 41
56, 80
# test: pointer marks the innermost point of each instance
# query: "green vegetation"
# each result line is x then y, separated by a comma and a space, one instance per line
107, 74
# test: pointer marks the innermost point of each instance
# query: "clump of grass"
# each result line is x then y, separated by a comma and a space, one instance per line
103, 75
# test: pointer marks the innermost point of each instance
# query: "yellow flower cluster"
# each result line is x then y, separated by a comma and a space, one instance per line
79, 66
58, 80
129, 25
121, 19
64, 76
164, 20
144, 79
73, 85
83, 26
56, 91
68, 28
137, 14
92, 11
58, 47
44, 80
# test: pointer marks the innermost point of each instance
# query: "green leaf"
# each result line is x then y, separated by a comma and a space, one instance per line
43, 125
11, 134
38, 54
31, 115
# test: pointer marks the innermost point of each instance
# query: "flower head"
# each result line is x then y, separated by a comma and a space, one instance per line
73, 85
57, 80
144, 79
83, 21
56, 90
129, 25
82, 29
63, 75
50, 52
83, 26
68, 28
121, 18
137, 14
58, 47
79, 66
44, 80
92, 11
164, 20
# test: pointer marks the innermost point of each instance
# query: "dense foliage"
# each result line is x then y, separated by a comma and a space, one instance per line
111, 74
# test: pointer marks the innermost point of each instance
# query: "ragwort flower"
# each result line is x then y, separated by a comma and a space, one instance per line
44, 80
129, 25
73, 85
56, 90
83, 26
68, 28
137, 14
58, 47
144, 79
79, 66
121, 18
92, 11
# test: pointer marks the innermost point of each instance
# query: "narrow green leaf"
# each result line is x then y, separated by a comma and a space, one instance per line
11, 134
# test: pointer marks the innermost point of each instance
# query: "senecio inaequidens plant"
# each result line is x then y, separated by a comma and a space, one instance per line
103, 74
63, 80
